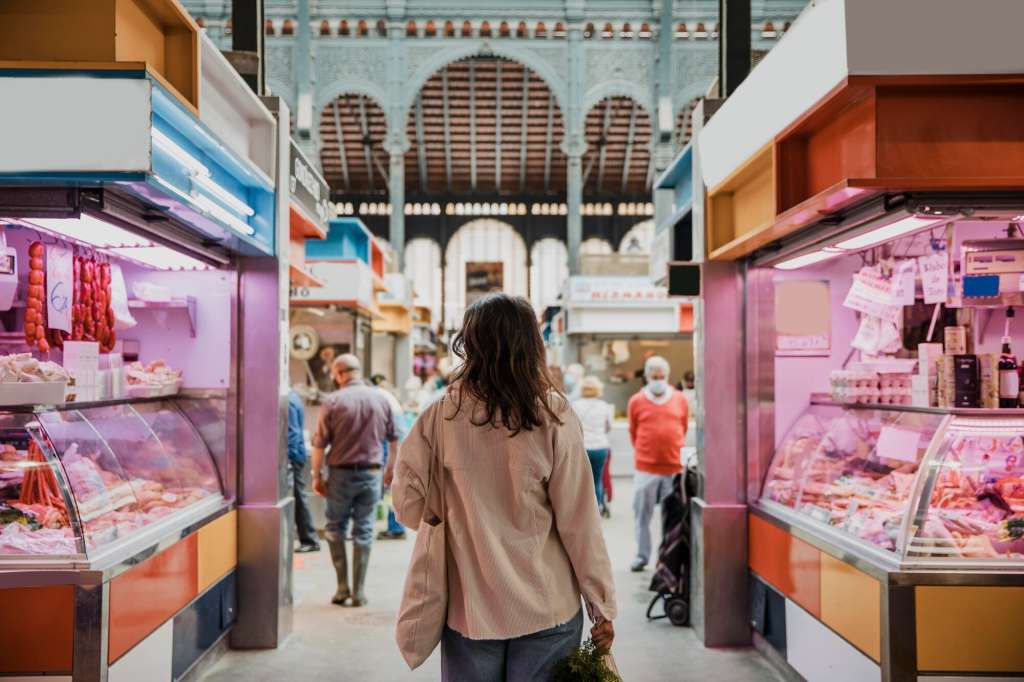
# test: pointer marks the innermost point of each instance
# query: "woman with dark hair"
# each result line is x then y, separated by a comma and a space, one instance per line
523, 529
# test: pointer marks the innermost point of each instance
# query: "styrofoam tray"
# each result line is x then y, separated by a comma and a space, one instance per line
33, 393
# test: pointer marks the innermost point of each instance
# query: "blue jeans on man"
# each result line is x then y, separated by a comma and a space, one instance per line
352, 495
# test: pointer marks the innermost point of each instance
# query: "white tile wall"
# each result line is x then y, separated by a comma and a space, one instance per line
149, 661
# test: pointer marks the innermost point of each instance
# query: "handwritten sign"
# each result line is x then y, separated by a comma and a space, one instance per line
898, 444
871, 294
59, 287
934, 276
903, 281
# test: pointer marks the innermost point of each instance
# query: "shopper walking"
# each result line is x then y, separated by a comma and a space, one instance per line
395, 530
524, 536
658, 416
297, 458
595, 417
355, 421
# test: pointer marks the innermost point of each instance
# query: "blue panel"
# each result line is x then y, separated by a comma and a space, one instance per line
199, 625
347, 239
981, 285
233, 175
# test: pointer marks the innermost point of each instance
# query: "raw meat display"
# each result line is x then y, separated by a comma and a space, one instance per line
155, 378
976, 508
829, 467
35, 306
23, 368
115, 489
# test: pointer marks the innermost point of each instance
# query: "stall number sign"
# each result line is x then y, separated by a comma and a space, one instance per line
307, 188
615, 289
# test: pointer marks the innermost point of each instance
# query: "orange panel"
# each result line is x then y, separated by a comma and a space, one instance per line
145, 597
37, 629
842, 585
789, 564
217, 548
685, 318
970, 629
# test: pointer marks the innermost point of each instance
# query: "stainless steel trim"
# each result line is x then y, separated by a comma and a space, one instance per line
956, 411
917, 494
899, 634
92, 609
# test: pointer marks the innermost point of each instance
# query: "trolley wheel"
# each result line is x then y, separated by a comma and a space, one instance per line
678, 610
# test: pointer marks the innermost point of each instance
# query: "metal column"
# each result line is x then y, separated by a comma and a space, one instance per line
265, 509
574, 144
733, 44
247, 42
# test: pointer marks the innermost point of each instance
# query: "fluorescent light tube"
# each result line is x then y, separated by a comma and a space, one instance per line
223, 215
887, 232
162, 258
90, 230
806, 259
226, 197
183, 157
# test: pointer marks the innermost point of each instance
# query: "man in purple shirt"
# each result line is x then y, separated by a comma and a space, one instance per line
355, 422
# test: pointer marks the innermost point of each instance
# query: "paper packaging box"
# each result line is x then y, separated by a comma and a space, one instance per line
967, 392
82, 361
921, 394
929, 355
946, 388
988, 373
956, 340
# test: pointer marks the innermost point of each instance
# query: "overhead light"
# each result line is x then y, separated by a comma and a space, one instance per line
226, 197
222, 214
90, 231
172, 148
887, 232
807, 259
162, 258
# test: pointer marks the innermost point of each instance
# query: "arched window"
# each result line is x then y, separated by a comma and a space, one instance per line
482, 241
521, 31
410, 29
431, 29
423, 268
503, 30
288, 28
541, 31
637, 242
449, 29
382, 28
362, 30
549, 269
485, 29
467, 29
325, 28
268, 27
595, 246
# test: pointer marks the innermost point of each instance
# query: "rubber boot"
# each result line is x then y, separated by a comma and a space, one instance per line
340, 561
360, 563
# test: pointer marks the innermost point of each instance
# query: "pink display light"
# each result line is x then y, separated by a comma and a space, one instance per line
807, 259
93, 232
90, 231
887, 232
161, 258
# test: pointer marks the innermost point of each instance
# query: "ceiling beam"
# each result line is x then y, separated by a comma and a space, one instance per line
341, 144
548, 142
603, 142
498, 103
472, 125
630, 136
523, 127
366, 139
447, 129
421, 145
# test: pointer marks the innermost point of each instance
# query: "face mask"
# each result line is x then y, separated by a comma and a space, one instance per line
570, 383
658, 386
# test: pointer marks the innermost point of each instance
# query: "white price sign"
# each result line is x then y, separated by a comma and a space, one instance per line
934, 276
59, 287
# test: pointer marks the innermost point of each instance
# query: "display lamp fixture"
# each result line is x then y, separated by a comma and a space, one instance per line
886, 233
202, 180
90, 231
806, 259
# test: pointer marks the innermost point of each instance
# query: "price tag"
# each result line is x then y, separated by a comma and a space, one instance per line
934, 276
59, 287
898, 444
903, 282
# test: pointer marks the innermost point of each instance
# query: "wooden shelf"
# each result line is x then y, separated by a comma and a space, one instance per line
303, 278
186, 305
742, 206
302, 227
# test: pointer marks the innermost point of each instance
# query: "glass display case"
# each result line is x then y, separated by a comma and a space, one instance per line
78, 482
913, 486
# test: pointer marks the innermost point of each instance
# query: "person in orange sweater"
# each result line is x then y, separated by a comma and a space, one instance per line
658, 415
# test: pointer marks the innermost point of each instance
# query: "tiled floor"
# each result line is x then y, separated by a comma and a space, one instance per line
335, 643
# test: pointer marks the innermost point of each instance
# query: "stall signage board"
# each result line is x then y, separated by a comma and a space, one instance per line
483, 278
308, 189
661, 254
59, 287
348, 282
803, 321
587, 289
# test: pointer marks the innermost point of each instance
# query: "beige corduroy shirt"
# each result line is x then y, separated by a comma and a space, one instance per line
524, 533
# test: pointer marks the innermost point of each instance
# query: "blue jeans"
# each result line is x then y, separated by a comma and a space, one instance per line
597, 460
394, 527
523, 659
352, 495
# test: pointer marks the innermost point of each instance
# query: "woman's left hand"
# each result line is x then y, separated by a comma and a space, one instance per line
603, 634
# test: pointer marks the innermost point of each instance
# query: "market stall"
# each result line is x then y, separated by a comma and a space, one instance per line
611, 325
865, 224
392, 341
136, 227
337, 317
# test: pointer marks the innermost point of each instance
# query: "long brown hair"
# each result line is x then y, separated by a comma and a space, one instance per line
503, 364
